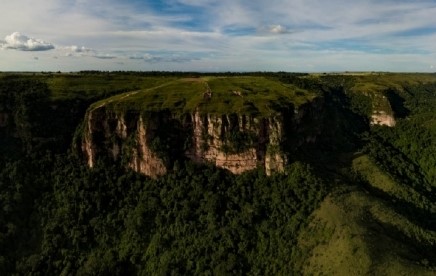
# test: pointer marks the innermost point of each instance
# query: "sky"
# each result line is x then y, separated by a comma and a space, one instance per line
218, 35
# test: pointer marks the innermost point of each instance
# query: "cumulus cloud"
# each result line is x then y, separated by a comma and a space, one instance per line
22, 42
75, 50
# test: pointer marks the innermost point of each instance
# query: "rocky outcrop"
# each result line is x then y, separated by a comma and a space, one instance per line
212, 142
118, 136
150, 143
382, 114
143, 159
383, 119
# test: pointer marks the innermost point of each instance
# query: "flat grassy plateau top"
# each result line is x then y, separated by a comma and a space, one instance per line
257, 96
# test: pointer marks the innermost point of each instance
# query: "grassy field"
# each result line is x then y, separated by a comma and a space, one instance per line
89, 86
216, 95
381, 181
356, 233
369, 227
65, 86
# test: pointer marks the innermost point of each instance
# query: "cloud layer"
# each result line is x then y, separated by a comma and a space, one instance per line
290, 35
22, 42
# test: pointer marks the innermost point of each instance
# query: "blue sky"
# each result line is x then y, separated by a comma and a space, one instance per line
224, 35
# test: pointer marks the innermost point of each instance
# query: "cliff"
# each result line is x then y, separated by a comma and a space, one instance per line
375, 101
237, 142
235, 123
383, 119
382, 111
150, 142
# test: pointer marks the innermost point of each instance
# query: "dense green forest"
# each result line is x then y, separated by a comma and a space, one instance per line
361, 200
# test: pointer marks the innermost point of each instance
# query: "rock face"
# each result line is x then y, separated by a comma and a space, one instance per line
383, 119
149, 143
120, 136
253, 137
383, 114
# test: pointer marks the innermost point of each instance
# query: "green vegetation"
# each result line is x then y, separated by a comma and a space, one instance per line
358, 233
66, 86
237, 141
44, 109
194, 220
258, 96
358, 201
248, 95
89, 86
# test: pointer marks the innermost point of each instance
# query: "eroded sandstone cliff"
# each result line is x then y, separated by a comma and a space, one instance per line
237, 142
149, 143
382, 118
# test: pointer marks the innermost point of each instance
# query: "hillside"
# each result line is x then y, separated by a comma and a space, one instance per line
214, 174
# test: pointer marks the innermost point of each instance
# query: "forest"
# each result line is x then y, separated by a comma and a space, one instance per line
60, 217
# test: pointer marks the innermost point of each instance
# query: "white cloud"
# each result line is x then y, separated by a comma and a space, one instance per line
82, 51
351, 33
77, 49
278, 29
22, 42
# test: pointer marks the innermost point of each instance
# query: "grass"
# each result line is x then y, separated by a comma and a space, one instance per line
90, 86
377, 83
369, 229
173, 95
71, 85
381, 181
356, 233
253, 94
333, 242
244, 95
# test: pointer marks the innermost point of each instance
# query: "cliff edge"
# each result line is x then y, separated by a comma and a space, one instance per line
238, 124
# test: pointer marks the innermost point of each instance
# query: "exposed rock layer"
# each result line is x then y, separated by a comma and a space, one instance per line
235, 142
383, 119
